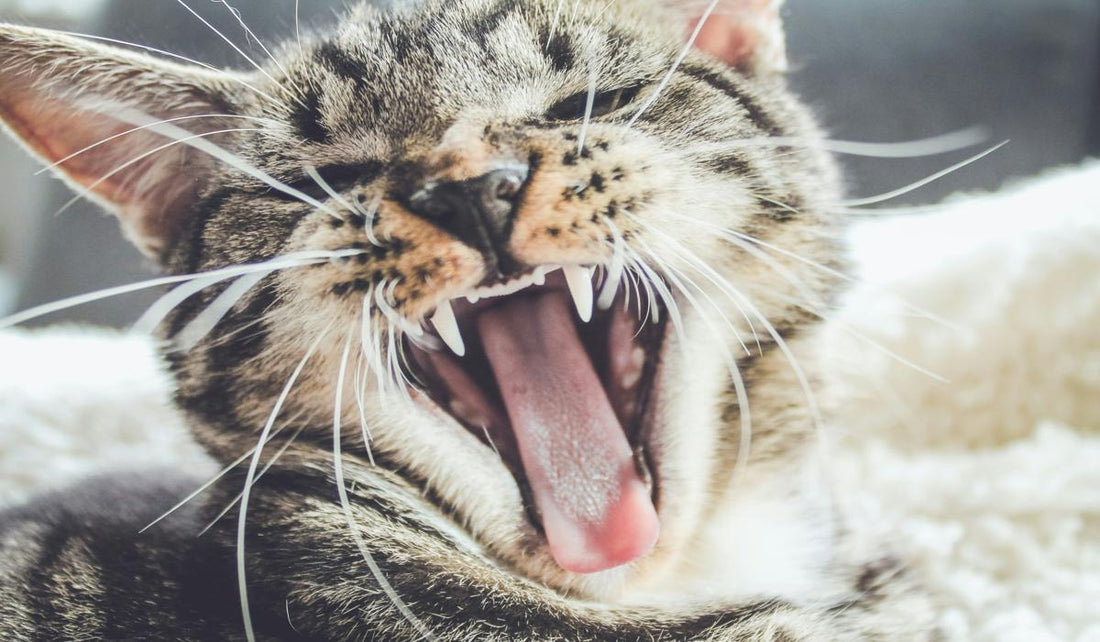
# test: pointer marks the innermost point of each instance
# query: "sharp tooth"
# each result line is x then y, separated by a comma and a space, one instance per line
580, 286
473, 298
447, 327
540, 276
633, 371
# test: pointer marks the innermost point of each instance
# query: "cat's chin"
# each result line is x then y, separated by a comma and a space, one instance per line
558, 381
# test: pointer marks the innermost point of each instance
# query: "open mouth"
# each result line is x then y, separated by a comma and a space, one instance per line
561, 391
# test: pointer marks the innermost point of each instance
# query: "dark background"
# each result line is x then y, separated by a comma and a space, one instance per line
874, 70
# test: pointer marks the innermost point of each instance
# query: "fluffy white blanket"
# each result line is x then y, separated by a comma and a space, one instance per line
967, 377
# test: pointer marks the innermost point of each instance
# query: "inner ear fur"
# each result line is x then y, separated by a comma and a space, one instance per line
746, 34
68, 101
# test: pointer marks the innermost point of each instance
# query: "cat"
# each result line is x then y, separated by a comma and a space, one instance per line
503, 329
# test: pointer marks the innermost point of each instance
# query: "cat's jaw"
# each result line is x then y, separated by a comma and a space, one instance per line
714, 532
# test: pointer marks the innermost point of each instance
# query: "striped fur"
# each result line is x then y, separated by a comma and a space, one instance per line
444, 90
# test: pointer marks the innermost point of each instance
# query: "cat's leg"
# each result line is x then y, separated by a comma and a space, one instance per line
74, 566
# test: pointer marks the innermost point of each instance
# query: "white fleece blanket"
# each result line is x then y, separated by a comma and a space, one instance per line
987, 474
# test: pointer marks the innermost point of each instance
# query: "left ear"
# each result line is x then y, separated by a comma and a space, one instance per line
67, 100
747, 34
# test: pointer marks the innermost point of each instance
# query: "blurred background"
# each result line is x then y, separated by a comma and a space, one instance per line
874, 70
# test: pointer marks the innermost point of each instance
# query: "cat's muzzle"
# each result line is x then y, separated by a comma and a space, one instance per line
478, 211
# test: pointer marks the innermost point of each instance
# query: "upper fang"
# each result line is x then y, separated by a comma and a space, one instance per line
579, 280
447, 327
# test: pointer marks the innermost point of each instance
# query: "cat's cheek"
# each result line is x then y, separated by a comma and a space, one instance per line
404, 258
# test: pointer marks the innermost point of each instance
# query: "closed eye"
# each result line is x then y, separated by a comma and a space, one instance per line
338, 177
605, 102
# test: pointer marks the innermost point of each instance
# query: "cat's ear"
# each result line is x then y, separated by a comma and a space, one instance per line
73, 103
747, 34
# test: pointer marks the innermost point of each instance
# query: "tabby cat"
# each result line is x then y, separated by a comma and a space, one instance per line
503, 329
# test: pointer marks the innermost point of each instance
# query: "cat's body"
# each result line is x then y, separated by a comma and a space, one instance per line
458, 147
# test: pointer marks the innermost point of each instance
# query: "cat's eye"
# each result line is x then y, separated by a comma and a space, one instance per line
336, 177
604, 102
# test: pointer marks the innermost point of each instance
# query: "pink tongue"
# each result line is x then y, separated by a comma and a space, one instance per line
596, 511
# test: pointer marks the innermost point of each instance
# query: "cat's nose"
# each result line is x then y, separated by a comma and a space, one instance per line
477, 211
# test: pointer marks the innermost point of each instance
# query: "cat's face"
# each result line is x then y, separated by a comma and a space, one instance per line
538, 314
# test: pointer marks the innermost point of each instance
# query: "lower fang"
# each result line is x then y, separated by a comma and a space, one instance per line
633, 372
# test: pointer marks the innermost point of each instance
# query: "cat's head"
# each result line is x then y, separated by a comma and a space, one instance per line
525, 241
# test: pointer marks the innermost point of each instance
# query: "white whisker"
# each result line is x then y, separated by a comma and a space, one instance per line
744, 447
675, 64
368, 220
169, 54
242, 581
156, 313
87, 191
298, 25
228, 41
371, 342
345, 503
554, 21
360, 392
143, 127
384, 301
615, 268
642, 275
908, 363
744, 303
201, 325
708, 272
489, 439
814, 305
293, 260
274, 458
912, 187
136, 117
735, 237
312, 172
745, 443
397, 373
251, 34
654, 283
201, 489
943, 144
593, 77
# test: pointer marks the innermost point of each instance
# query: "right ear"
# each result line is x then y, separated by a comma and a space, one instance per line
57, 96
747, 34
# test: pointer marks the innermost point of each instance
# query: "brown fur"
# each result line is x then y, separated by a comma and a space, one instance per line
443, 93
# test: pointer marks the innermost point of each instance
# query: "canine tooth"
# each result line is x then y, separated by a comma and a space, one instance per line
473, 298
611, 286
447, 327
539, 277
580, 286
633, 372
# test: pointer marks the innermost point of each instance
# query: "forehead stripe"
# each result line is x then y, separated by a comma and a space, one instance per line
724, 84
